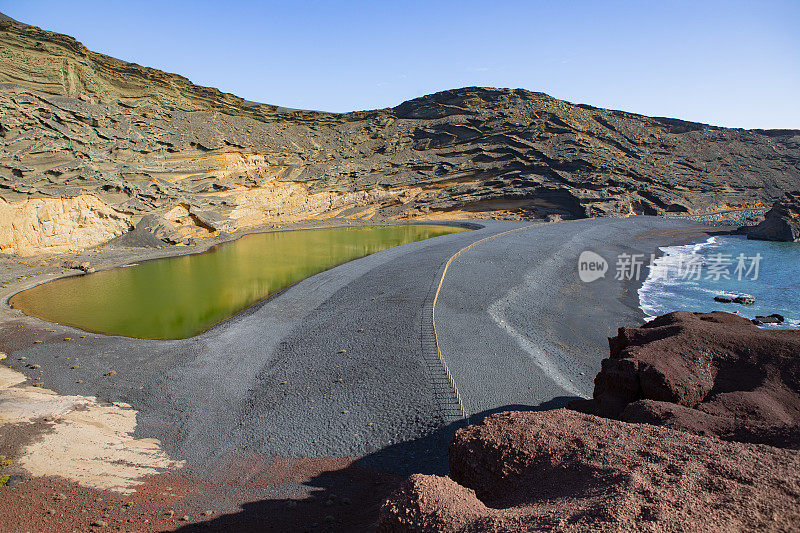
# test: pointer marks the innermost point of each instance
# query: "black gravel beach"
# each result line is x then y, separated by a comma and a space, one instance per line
343, 363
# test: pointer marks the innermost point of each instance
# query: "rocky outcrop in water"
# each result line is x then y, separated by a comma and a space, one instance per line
142, 141
567, 471
781, 223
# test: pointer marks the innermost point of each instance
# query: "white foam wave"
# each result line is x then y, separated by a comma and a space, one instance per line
664, 274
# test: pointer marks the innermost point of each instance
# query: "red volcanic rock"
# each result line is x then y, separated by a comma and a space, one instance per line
432, 503
707, 373
569, 471
695, 421
726, 396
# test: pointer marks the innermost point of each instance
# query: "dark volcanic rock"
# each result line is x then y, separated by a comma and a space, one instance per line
741, 299
781, 223
567, 471
770, 319
713, 374
144, 141
77, 265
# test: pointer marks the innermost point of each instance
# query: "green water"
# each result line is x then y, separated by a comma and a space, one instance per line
180, 297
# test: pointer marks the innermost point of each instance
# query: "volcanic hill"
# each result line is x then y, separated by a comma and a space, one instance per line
90, 144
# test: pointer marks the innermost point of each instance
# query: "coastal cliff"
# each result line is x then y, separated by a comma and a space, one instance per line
58, 224
142, 141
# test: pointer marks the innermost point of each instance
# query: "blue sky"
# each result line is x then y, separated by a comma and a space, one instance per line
728, 63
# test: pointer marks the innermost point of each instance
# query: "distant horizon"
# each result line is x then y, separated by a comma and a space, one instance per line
720, 63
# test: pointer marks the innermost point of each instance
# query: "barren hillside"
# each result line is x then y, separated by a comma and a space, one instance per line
89, 144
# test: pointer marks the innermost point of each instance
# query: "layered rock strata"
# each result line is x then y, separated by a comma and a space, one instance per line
143, 141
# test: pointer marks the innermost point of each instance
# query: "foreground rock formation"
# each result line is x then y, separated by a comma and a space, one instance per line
711, 374
781, 223
568, 471
727, 397
141, 141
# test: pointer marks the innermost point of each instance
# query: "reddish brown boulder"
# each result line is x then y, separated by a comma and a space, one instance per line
707, 373
564, 470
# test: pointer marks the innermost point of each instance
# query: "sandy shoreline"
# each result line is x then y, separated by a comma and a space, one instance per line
340, 365
539, 330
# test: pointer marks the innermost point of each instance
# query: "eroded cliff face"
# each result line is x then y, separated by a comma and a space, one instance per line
52, 225
143, 142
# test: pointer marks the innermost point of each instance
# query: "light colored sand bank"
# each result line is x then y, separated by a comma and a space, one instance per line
87, 442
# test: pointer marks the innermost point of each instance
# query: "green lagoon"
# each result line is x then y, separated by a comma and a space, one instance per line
179, 297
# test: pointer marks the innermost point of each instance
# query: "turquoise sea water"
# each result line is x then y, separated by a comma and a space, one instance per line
671, 284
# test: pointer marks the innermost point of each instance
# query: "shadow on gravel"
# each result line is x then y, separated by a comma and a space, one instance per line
428, 454
349, 499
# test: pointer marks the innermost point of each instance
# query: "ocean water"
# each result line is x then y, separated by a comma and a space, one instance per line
673, 283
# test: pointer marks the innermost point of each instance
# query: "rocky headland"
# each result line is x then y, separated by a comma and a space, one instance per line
695, 427
781, 223
91, 145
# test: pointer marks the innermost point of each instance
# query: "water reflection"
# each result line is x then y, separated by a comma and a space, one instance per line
180, 297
